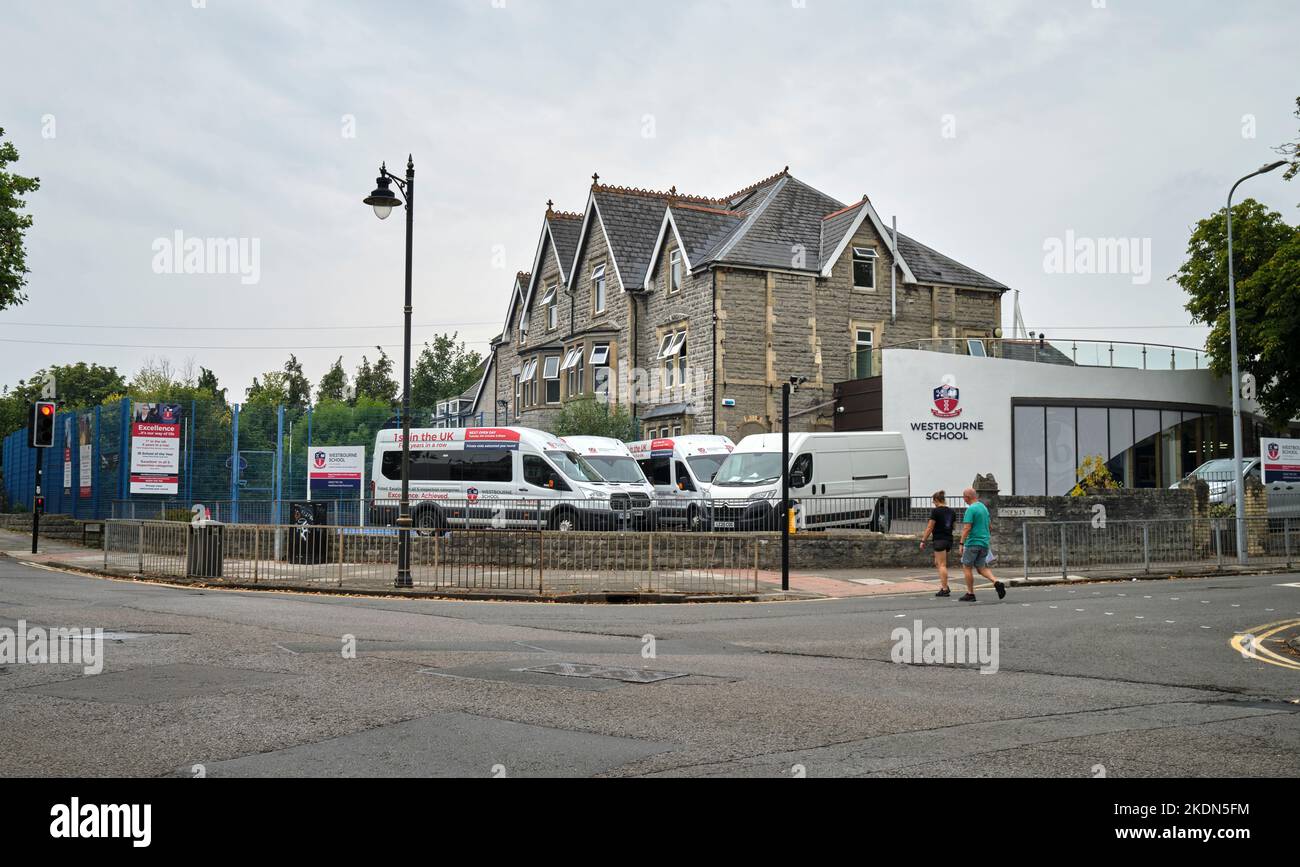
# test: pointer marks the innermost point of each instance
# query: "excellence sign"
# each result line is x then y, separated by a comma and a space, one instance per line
155, 448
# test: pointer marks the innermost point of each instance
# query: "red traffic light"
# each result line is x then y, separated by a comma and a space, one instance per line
46, 409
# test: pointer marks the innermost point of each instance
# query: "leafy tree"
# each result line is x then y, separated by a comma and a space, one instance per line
271, 390
1291, 150
13, 225
376, 382
1267, 290
443, 370
208, 382
1094, 477
588, 416
296, 385
334, 384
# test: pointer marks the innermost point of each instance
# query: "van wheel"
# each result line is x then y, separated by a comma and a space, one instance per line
882, 522
428, 522
564, 521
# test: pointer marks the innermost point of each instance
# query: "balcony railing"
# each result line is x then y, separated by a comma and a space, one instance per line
1070, 353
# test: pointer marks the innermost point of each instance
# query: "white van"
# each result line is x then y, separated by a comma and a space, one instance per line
489, 477
681, 470
836, 480
632, 497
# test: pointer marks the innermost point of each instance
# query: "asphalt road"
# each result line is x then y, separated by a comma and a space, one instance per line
1121, 679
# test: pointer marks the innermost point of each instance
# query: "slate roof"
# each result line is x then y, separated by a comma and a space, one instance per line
565, 230
766, 225
1030, 350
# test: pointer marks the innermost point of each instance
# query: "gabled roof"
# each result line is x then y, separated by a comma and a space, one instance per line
522, 280
839, 225
475, 391
934, 267
561, 231
698, 231
631, 220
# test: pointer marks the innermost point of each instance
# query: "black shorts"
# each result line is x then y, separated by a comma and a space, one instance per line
941, 545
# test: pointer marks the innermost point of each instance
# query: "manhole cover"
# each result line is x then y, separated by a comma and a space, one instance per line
627, 675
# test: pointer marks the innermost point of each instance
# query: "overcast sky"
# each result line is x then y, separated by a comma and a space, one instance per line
987, 127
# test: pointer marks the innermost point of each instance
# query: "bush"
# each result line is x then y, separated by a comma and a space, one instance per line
589, 417
1094, 477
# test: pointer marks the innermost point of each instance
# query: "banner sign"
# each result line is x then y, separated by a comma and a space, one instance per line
1280, 460
86, 454
67, 456
335, 470
155, 448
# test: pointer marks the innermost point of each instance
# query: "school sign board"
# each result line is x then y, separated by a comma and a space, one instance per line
335, 470
1280, 460
155, 448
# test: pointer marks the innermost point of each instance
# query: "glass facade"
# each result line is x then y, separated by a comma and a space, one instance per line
1143, 448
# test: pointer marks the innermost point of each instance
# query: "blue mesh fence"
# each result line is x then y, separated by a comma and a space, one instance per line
245, 463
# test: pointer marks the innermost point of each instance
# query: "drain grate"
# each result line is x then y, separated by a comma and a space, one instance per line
627, 675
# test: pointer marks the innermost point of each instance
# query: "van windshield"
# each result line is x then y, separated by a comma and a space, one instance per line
705, 467
617, 468
749, 468
575, 467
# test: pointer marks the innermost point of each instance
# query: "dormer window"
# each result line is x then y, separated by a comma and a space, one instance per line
864, 268
552, 305
674, 271
598, 290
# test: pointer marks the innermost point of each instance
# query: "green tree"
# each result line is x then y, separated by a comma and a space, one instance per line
1266, 331
375, 382
13, 226
208, 382
588, 416
443, 370
271, 390
1291, 150
296, 385
334, 384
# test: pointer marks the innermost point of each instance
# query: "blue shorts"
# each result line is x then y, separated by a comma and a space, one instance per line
975, 556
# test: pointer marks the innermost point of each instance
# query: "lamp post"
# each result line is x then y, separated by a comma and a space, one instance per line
1237, 458
786, 389
383, 200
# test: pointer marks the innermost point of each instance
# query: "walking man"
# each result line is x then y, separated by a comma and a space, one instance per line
975, 544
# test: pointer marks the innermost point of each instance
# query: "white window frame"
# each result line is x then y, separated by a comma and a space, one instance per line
598, 298
599, 355
675, 275
865, 254
571, 357
549, 376
547, 371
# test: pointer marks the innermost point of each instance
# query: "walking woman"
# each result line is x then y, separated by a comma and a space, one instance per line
939, 530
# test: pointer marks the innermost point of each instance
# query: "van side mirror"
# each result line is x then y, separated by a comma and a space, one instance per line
797, 480
681, 486
550, 483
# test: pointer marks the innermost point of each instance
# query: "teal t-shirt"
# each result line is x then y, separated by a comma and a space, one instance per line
977, 515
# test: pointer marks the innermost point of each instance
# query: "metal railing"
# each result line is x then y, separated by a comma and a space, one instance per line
1076, 353
515, 561
1068, 548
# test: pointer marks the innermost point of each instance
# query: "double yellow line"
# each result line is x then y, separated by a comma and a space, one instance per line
1258, 650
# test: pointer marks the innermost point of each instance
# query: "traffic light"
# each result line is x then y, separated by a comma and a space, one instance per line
40, 427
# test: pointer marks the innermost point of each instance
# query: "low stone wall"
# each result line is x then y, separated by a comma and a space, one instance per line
61, 527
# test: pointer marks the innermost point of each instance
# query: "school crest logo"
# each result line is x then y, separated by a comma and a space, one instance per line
319, 460
471, 494
947, 398
1274, 451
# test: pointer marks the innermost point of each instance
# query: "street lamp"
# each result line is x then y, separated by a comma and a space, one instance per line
383, 200
1237, 475
786, 389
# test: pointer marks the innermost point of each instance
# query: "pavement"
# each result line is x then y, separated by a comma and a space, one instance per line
1115, 679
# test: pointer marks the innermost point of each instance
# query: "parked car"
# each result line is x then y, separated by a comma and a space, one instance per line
632, 497
490, 477
1219, 476
836, 479
681, 471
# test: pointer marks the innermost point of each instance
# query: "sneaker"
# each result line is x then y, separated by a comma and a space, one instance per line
943, 594
1001, 588
969, 597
